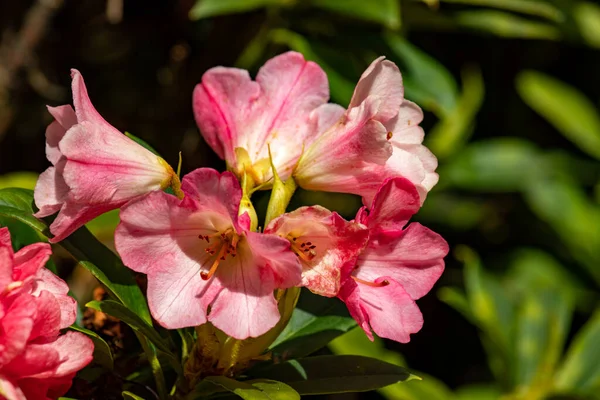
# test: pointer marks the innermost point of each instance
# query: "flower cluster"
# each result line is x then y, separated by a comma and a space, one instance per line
204, 258
36, 362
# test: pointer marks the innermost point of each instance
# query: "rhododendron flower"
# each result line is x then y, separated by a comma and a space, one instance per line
35, 361
95, 168
398, 265
378, 137
326, 245
199, 255
284, 108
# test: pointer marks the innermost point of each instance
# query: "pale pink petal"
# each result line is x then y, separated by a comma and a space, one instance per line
279, 266
9, 390
326, 245
30, 259
392, 313
212, 190
45, 280
104, 166
73, 216
245, 307
75, 350
322, 118
47, 318
413, 257
382, 82
65, 118
50, 191
405, 125
222, 102
394, 204
16, 325
84, 108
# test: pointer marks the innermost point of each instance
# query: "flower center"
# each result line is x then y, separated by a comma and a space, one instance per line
305, 250
221, 245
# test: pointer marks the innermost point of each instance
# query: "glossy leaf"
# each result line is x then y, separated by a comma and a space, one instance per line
563, 106
315, 322
130, 318
580, 371
16, 203
506, 25
426, 81
336, 374
213, 8
258, 389
386, 12
102, 352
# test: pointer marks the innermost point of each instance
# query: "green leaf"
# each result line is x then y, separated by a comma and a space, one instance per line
104, 225
128, 395
108, 269
563, 106
258, 389
24, 180
213, 8
457, 212
133, 320
452, 132
536, 8
506, 25
341, 89
542, 323
102, 353
315, 322
426, 81
493, 165
587, 17
141, 142
580, 371
16, 203
386, 12
478, 392
335, 374
155, 367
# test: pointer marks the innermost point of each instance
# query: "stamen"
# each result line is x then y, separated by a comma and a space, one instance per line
304, 250
225, 245
372, 284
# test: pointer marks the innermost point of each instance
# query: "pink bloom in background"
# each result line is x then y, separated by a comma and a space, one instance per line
326, 245
378, 137
198, 254
398, 266
284, 108
95, 168
36, 362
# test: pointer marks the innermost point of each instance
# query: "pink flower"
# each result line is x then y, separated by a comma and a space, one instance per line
378, 137
326, 245
398, 265
198, 254
36, 362
284, 108
95, 168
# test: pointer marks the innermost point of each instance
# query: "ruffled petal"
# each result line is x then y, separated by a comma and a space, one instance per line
413, 257
45, 280
395, 203
65, 118
16, 325
47, 318
50, 191
279, 266
29, 260
73, 216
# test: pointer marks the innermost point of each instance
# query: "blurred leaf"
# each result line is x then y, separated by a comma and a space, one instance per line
103, 226
213, 8
108, 269
102, 353
532, 7
341, 89
258, 389
130, 318
542, 324
128, 395
506, 25
572, 215
315, 322
563, 106
587, 16
336, 374
478, 392
453, 131
141, 142
426, 81
580, 371
457, 300
458, 212
386, 12
493, 165
24, 180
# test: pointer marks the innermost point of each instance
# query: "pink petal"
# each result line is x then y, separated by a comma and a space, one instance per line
222, 102
73, 216
16, 325
414, 258
9, 390
50, 191
394, 204
350, 294
405, 125
6, 259
218, 192
245, 307
45, 280
83, 106
65, 118
75, 351
104, 166
30, 259
382, 82
280, 267
47, 319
